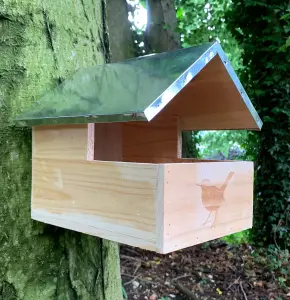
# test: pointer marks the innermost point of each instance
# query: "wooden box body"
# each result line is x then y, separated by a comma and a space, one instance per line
162, 206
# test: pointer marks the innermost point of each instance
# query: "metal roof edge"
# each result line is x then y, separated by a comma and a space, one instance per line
80, 119
228, 66
157, 105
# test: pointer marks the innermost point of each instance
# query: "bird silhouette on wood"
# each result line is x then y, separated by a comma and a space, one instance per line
212, 196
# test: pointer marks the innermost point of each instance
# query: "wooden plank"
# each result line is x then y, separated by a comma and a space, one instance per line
195, 237
112, 200
150, 142
60, 142
227, 120
159, 210
106, 196
204, 201
91, 142
210, 101
108, 141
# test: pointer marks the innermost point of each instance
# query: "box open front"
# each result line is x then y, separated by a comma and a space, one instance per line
157, 206
195, 200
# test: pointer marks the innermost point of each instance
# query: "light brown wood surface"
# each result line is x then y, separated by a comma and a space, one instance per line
204, 201
60, 142
210, 101
113, 200
161, 207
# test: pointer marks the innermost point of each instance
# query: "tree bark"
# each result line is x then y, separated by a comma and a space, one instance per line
161, 33
120, 35
161, 36
41, 44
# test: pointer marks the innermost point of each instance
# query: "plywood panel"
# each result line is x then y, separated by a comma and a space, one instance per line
210, 101
155, 141
113, 200
205, 201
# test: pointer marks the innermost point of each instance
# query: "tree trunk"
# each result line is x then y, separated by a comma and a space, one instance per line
42, 43
120, 35
161, 36
161, 33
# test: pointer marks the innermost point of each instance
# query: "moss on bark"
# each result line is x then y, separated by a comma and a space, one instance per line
42, 43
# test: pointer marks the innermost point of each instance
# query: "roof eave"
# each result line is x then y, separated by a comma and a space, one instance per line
64, 120
159, 104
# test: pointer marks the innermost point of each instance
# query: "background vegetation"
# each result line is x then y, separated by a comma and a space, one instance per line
262, 31
255, 36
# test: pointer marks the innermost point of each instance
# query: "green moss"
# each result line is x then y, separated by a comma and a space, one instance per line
40, 261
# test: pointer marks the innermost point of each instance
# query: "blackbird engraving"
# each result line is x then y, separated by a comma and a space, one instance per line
213, 197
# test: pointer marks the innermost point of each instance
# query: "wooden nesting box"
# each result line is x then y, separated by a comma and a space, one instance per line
107, 151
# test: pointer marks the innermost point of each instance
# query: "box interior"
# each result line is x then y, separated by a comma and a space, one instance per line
158, 142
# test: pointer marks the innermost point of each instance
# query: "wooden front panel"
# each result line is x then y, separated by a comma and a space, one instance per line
205, 201
112, 200
60, 142
210, 101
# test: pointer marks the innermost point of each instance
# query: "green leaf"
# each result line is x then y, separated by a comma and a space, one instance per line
268, 119
288, 42
180, 13
286, 16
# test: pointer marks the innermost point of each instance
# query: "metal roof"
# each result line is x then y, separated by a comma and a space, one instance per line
135, 89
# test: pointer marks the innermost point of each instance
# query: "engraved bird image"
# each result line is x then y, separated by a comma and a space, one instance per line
212, 196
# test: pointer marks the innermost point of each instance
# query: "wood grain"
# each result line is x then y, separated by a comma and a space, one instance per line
108, 141
91, 142
161, 207
204, 201
210, 101
150, 142
113, 200
60, 142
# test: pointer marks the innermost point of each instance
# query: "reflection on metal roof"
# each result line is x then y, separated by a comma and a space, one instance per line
135, 89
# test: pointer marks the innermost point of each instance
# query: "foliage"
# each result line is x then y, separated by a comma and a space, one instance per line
138, 21
262, 29
278, 261
241, 237
202, 21
224, 144
255, 36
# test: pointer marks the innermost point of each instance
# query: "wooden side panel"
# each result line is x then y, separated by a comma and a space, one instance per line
150, 142
210, 101
205, 201
112, 200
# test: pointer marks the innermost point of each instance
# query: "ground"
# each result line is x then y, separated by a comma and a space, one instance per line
213, 270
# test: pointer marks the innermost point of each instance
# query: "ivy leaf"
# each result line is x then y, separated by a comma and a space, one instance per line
288, 42
268, 119
286, 16
180, 13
